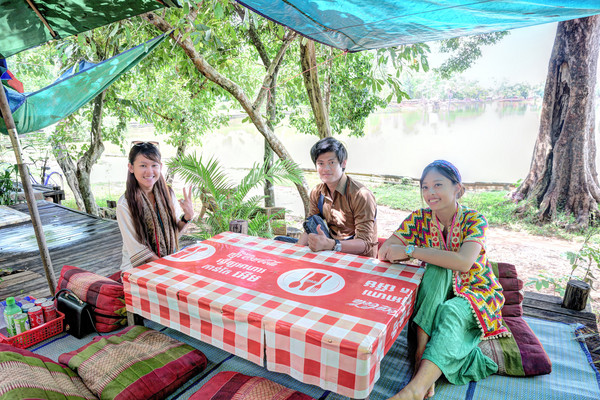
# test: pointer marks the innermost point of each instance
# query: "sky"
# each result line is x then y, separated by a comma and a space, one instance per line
521, 56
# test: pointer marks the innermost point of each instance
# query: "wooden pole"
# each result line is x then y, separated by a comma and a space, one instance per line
576, 295
31, 203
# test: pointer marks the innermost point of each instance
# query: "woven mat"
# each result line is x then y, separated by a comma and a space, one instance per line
573, 376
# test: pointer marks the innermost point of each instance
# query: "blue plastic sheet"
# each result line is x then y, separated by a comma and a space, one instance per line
356, 25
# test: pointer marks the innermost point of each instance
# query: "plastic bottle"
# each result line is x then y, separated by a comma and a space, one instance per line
10, 310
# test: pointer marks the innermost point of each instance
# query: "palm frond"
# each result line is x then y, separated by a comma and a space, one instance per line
207, 177
283, 170
280, 171
259, 226
228, 202
252, 179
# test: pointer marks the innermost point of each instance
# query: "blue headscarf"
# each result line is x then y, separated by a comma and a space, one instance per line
447, 166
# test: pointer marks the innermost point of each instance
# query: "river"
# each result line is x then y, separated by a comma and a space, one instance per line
488, 142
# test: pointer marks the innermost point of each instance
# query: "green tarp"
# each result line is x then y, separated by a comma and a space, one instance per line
21, 28
34, 111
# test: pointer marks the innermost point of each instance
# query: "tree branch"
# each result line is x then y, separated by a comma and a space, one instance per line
234, 89
273, 68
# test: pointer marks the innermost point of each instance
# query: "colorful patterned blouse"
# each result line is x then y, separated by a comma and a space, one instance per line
479, 285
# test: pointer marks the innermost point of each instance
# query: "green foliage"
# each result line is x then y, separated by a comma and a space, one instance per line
37, 151
402, 197
585, 264
225, 201
495, 205
8, 175
464, 51
359, 84
545, 280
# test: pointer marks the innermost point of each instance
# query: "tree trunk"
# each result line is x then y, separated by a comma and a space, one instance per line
562, 177
89, 158
69, 170
268, 157
252, 109
181, 147
254, 37
310, 74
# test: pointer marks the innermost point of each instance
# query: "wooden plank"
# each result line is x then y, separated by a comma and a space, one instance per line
550, 307
26, 283
75, 238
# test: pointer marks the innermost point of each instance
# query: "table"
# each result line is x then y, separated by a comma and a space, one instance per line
323, 318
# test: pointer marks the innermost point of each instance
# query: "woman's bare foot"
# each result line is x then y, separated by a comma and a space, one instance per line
422, 385
407, 394
430, 391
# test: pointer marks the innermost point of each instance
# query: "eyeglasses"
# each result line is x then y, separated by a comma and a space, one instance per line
139, 143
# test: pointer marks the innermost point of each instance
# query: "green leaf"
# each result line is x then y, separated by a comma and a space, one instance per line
218, 10
424, 63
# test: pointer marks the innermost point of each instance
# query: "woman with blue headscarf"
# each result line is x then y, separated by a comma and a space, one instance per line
459, 299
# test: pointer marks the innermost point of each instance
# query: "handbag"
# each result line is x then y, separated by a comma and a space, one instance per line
78, 316
311, 223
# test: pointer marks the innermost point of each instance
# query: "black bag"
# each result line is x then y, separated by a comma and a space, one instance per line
311, 223
78, 316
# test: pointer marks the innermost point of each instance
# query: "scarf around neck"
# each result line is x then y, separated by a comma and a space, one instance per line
157, 222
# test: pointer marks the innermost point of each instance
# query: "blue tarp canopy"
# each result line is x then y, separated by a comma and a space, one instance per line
356, 25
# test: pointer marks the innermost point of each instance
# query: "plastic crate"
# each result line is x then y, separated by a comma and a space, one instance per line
37, 334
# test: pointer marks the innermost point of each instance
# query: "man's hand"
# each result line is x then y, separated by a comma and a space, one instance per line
319, 242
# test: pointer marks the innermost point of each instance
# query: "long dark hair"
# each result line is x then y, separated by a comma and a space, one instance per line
446, 169
133, 193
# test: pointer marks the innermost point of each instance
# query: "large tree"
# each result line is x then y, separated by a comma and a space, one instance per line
188, 25
562, 177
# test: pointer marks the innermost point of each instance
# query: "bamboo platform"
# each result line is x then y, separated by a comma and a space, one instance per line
73, 238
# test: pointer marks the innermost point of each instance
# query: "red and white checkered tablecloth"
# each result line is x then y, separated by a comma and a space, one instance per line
324, 318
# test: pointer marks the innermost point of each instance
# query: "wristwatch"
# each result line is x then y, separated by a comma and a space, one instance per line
337, 246
409, 250
185, 221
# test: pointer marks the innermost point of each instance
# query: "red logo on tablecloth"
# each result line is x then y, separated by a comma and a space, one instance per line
197, 252
310, 282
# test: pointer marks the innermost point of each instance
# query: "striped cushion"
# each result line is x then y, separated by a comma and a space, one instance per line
104, 295
26, 375
229, 385
521, 354
136, 363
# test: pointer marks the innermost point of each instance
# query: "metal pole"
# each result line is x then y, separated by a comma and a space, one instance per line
31, 203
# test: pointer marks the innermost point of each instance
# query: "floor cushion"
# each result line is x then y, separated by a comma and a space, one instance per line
227, 385
26, 375
521, 354
105, 295
135, 363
